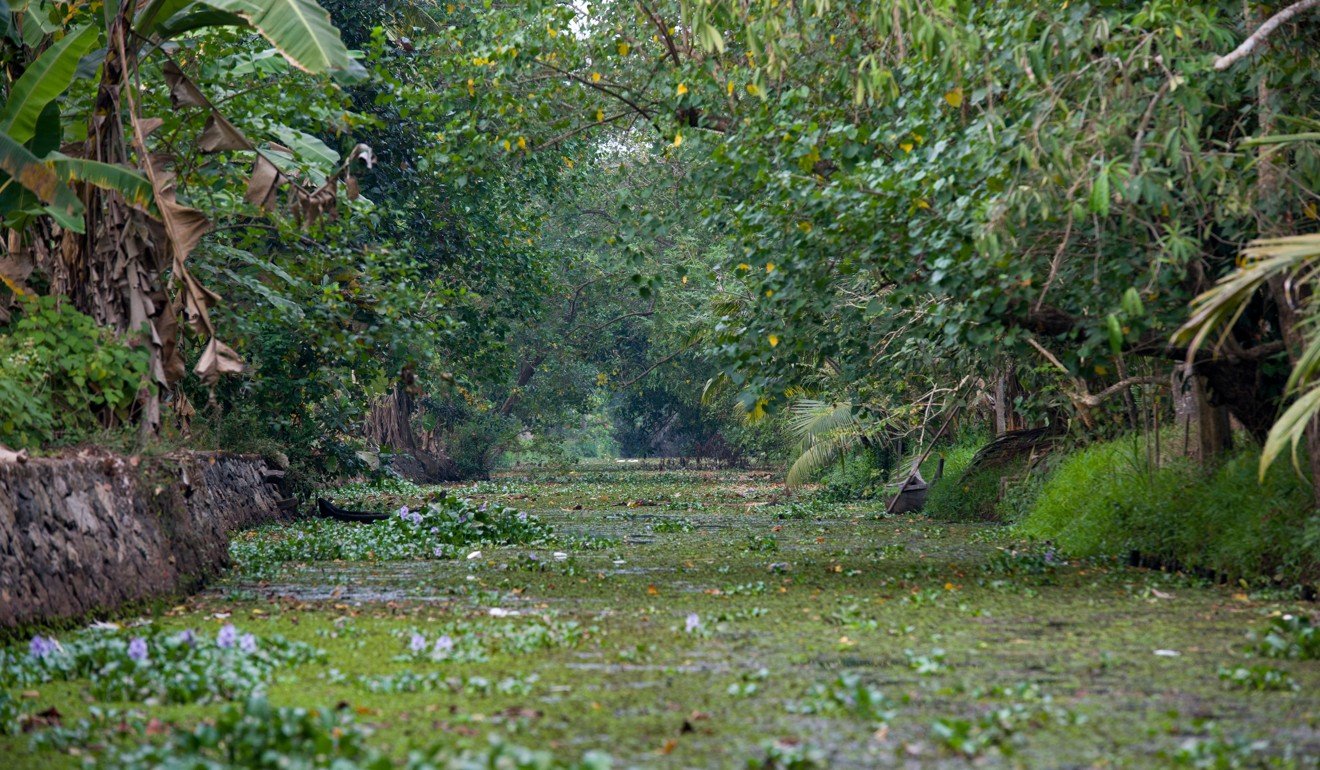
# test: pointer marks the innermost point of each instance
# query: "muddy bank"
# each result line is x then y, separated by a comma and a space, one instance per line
80, 535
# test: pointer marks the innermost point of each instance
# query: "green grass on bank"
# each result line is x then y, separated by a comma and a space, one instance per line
1108, 499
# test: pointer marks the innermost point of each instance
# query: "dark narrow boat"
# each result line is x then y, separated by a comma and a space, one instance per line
328, 510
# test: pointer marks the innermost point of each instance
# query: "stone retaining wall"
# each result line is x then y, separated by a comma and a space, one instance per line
81, 535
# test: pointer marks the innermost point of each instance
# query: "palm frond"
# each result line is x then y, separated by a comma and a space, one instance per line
825, 431
1295, 259
817, 456
810, 418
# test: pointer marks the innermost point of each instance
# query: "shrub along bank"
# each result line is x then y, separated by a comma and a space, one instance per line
1109, 499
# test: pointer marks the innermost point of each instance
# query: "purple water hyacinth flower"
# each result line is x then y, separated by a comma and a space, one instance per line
227, 636
483, 507
439, 552
403, 512
444, 645
247, 643
417, 643
41, 646
187, 637
522, 516
693, 622
137, 649
415, 518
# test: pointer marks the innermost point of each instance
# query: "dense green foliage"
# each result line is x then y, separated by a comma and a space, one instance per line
1107, 499
63, 378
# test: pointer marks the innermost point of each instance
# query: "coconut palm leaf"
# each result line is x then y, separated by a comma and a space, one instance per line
1296, 259
825, 430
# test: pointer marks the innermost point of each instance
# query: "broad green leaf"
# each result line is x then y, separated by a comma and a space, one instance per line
300, 29
307, 148
42, 82
33, 174
127, 182
201, 18
1100, 193
1115, 334
1132, 304
156, 12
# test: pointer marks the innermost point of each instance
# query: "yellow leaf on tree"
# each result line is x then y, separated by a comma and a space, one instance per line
753, 89
1101, 370
774, 340
600, 115
770, 267
595, 77
744, 266
1310, 211
507, 146
568, 161
624, 48
922, 204
730, 88
906, 146
804, 226
472, 87
682, 88
678, 139
954, 97
522, 142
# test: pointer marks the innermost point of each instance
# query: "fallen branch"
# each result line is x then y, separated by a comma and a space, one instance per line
1264, 31
1092, 400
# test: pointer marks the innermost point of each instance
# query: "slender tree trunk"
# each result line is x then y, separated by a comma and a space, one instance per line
525, 374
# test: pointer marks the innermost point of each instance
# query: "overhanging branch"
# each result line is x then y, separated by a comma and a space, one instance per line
1270, 26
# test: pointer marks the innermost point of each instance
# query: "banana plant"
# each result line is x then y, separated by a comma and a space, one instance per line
299, 29
100, 195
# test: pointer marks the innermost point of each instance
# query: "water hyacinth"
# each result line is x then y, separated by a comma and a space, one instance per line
417, 643
693, 622
443, 646
444, 528
137, 650
157, 665
41, 646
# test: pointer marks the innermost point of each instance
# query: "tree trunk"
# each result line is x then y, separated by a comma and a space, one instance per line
389, 426
1007, 390
525, 374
